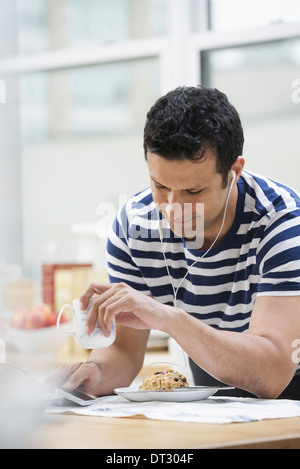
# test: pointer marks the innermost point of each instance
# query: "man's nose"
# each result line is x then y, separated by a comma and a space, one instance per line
173, 198
174, 205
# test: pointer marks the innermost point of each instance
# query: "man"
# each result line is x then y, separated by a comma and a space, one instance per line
223, 282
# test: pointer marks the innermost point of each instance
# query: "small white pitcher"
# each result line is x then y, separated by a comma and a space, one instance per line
89, 341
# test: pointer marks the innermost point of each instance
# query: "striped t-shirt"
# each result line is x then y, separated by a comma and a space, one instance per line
260, 255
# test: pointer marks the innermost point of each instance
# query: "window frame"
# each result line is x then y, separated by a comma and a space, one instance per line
179, 53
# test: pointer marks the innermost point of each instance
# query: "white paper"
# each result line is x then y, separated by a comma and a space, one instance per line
212, 410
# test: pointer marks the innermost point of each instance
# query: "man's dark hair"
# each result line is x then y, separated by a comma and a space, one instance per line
188, 120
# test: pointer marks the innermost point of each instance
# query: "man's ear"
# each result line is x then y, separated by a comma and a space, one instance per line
238, 166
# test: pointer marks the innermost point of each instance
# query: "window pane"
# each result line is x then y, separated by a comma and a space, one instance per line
97, 100
49, 25
259, 80
82, 145
227, 15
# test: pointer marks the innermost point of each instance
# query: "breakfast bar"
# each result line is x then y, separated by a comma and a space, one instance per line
137, 431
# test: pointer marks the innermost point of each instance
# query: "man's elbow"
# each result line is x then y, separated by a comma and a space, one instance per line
272, 388
270, 393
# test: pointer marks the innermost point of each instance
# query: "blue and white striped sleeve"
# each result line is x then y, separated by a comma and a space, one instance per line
121, 265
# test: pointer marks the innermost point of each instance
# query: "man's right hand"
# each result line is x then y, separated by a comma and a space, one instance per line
87, 376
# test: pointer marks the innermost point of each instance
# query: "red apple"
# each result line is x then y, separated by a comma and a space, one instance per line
53, 319
36, 318
19, 318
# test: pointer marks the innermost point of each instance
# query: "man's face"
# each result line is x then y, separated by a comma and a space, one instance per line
181, 189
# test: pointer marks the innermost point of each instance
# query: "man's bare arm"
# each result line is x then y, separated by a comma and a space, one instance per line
106, 369
259, 361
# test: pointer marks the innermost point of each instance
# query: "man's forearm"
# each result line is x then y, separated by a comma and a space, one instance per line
242, 360
120, 363
115, 367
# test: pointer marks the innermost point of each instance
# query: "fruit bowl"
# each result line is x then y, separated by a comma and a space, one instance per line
46, 340
33, 330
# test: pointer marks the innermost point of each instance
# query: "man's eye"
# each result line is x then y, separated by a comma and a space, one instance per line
194, 193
